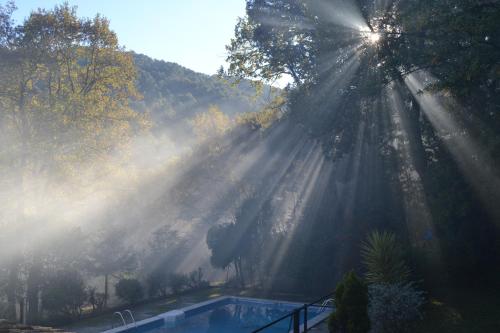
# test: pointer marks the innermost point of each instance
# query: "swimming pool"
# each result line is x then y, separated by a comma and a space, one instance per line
224, 315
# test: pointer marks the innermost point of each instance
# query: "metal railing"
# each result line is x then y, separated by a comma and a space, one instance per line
295, 315
122, 317
131, 316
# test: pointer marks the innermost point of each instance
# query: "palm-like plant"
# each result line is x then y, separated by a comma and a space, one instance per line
383, 258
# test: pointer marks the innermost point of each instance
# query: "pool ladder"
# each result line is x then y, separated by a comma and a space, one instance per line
325, 304
124, 322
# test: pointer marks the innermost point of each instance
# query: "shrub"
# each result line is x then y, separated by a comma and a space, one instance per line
394, 307
383, 258
333, 325
129, 290
351, 303
196, 280
157, 282
96, 299
63, 294
177, 282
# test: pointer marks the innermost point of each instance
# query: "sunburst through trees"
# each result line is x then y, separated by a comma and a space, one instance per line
390, 122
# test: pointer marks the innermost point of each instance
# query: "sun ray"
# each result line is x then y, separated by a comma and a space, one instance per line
419, 221
470, 157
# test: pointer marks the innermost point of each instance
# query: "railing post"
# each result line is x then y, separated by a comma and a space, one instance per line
305, 318
296, 321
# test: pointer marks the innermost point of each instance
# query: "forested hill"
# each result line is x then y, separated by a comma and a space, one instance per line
173, 93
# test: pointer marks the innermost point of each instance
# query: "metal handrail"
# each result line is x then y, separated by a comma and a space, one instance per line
121, 316
131, 316
296, 312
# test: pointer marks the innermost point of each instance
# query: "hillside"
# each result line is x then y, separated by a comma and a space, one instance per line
174, 94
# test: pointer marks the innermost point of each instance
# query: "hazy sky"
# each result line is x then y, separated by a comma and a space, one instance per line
192, 33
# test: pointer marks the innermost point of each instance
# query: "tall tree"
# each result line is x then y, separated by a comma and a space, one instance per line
65, 88
353, 64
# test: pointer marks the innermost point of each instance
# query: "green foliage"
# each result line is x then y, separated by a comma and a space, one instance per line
196, 280
64, 294
274, 39
384, 259
157, 282
351, 306
174, 94
333, 325
266, 117
211, 124
129, 290
177, 282
96, 299
217, 236
69, 86
242, 243
395, 307
458, 45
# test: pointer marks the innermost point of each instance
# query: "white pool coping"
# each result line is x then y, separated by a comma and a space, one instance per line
173, 317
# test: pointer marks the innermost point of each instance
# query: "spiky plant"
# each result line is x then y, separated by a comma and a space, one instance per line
384, 259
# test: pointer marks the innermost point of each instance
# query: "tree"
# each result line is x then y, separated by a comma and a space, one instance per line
353, 64
64, 104
241, 243
211, 124
96, 299
458, 46
129, 290
222, 253
109, 256
196, 279
72, 87
64, 294
164, 249
6, 23
157, 281
351, 306
177, 282
274, 39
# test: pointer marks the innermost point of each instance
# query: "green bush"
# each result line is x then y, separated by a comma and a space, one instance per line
96, 299
129, 290
178, 282
64, 294
333, 323
196, 280
394, 308
351, 307
384, 259
157, 282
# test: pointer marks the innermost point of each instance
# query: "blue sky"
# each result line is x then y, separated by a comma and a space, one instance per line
192, 33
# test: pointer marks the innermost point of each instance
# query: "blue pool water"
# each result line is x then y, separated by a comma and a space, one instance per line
227, 315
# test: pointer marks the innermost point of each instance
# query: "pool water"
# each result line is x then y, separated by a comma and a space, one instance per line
234, 318
228, 315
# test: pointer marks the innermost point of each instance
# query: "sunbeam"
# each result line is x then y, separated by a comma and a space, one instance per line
475, 165
341, 151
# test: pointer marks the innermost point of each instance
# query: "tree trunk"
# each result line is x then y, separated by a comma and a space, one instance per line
12, 287
33, 289
416, 139
21, 310
105, 290
411, 116
240, 269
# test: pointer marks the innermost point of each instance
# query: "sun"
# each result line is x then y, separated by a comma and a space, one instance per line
373, 37
370, 37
